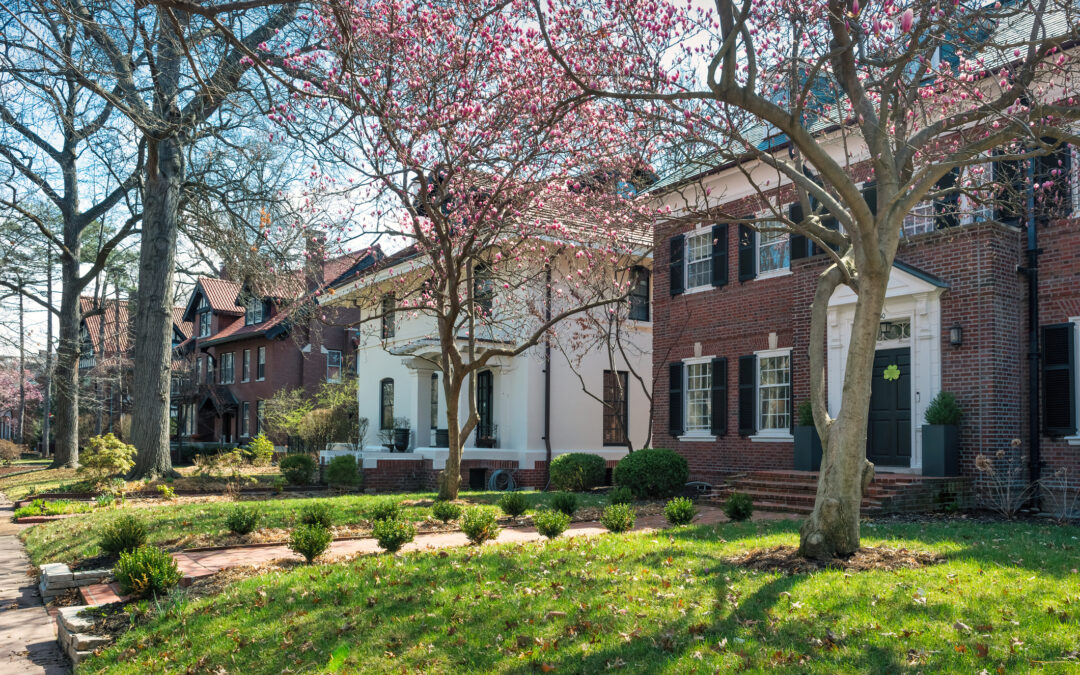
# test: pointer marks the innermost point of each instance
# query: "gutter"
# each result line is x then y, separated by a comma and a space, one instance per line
1034, 355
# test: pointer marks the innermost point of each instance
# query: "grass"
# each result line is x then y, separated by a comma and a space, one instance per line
40, 507
178, 525
1006, 600
22, 485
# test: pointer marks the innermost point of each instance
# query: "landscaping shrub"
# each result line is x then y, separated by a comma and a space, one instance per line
652, 473
387, 509
551, 523
806, 414
577, 471
40, 507
126, 533
317, 513
944, 409
107, 456
259, 450
279, 484
9, 452
513, 504
680, 511
445, 511
241, 519
620, 495
298, 469
393, 534
342, 471
479, 524
147, 570
739, 506
566, 502
310, 541
167, 492
619, 517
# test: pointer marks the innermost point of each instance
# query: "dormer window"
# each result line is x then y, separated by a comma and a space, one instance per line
254, 311
204, 317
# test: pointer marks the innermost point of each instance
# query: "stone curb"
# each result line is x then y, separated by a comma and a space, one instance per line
76, 644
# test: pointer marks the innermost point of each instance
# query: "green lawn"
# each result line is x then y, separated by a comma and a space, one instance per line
176, 526
21, 485
1006, 600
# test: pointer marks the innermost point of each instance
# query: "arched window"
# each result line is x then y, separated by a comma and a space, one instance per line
386, 403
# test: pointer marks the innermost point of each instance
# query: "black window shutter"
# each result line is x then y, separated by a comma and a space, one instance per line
718, 404
801, 247
747, 394
720, 255
1059, 379
747, 251
869, 193
675, 399
947, 207
677, 247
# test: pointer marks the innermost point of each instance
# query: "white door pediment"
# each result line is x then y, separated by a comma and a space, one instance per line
901, 283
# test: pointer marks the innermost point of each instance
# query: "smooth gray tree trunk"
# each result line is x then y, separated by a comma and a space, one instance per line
66, 374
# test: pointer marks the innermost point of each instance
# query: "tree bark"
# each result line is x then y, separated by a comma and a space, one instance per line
450, 478
66, 375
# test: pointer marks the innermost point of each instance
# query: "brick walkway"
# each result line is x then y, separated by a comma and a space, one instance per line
195, 564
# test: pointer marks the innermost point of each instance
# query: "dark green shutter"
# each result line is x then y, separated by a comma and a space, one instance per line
678, 246
720, 255
747, 394
747, 251
675, 398
1059, 379
718, 403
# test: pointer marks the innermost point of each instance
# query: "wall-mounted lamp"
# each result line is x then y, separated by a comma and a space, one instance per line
956, 335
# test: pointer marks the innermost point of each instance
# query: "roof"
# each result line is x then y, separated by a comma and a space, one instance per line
220, 294
116, 336
184, 327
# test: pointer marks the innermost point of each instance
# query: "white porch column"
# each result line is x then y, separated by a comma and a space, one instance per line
420, 402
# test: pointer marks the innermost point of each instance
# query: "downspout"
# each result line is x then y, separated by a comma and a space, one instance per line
547, 376
1032, 271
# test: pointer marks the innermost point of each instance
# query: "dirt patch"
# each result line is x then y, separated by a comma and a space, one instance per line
215, 583
110, 619
786, 560
98, 562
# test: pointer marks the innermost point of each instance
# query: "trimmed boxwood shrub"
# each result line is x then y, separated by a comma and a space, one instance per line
576, 471
317, 513
620, 495
652, 473
551, 523
445, 511
513, 504
386, 509
565, 502
393, 534
310, 541
739, 506
619, 517
944, 409
479, 524
680, 511
298, 469
126, 533
241, 519
342, 471
147, 570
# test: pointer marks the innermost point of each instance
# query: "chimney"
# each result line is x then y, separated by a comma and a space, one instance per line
315, 259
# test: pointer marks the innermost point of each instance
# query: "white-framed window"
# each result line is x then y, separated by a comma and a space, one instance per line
773, 250
774, 393
245, 368
259, 420
920, 219
699, 259
333, 365
228, 368
698, 396
245, 418
204, 317
253, 311
260, 364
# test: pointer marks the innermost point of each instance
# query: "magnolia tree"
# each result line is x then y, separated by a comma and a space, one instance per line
507, 190
812, 98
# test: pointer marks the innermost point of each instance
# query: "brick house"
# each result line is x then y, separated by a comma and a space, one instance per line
249, 343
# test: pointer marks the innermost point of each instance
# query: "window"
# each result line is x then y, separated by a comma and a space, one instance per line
699, 259
434, 400
616, 415
1059, 408
333, 366
484, 293
209, 369
260, 364
259, 421
774, 393
253, 311
774, 251
388, 316
204, 324
639, 294
698, 404
386, 403
198, 370
228, 368
245, 418
245, 366
485, 401
920, 220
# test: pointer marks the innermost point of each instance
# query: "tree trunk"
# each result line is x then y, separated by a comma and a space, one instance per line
153, 309
450, 479
832, 530
66, 376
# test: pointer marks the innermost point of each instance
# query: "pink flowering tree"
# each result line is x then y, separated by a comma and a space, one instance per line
16, 393
507, 192
814, 101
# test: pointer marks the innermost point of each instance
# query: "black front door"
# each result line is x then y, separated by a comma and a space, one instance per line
888, 433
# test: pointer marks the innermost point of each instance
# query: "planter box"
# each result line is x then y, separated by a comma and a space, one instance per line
401, 439
807, 449
940, 450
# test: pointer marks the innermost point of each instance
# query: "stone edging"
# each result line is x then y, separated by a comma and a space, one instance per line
69, 633
143, 494
57, 579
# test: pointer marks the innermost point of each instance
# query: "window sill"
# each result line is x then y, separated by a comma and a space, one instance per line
772, 438
698, 289
1072, 440
786, 272
696, 438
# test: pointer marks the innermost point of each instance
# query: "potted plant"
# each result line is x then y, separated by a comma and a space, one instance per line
941, 437
401, 433
386, 439
807, 441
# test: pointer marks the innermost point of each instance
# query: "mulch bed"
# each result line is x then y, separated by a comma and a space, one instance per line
98, 562
17, 469
110, 619
786, 560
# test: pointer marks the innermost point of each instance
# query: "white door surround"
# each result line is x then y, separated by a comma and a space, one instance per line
911, 296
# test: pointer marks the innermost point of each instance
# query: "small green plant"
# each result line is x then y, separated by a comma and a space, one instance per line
126, 533
551, 523
944, 409
386, 509
279, 484
393, 534
342, 472
479, 524
317, 513
146, 571
259, 451
806, 414
167, 492
652, 473
445, 511
513, 504
620, 495
680, 511
618, 517
40, 507
104, 499
107, 456
566, 502
576, 471
298, 469
739, 506
310, 541
241, 519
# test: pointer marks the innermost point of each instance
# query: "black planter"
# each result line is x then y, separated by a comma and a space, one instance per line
442, 438
401, 439
807, 449
940, 450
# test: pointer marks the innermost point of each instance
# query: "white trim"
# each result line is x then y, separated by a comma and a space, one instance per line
771, 274
695, 434
782, 272
772, 438
706, 230
1074, 177
783, 434
1075, 439
692, 437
